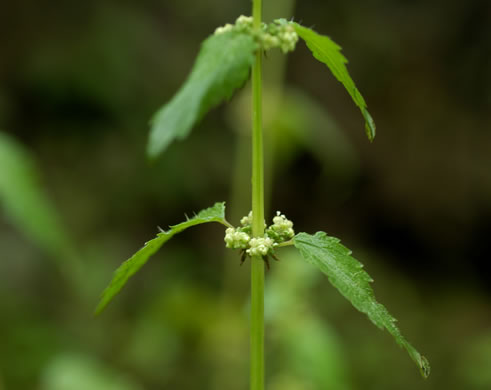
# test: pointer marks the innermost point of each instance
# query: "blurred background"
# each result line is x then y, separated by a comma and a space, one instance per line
79, 82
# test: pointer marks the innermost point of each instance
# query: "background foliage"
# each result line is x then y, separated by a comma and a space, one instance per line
78, 84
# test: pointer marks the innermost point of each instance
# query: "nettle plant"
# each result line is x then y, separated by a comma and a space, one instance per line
222, 66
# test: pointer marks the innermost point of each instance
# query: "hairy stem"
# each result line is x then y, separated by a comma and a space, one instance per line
257, 263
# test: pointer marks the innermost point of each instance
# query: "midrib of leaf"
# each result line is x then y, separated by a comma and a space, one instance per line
216, 213
346, 274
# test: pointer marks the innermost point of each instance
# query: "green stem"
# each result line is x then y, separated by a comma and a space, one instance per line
257, 263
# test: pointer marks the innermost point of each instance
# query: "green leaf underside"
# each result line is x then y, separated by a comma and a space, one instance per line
215, 213
347, 275
328, 52
25, 203
222, 66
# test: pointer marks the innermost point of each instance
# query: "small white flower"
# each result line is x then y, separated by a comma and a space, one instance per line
247, 220
260, 246
236, 240
289, 28
282, 226
288, 38
270, 41
221, 30
245, 21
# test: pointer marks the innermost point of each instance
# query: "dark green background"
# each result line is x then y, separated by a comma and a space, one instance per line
79, 82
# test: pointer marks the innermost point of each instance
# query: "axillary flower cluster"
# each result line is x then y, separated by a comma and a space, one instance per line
241, 238
279, 34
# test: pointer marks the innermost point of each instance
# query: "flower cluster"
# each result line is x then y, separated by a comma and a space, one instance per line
260, 246
279, 34
223, 29
236, 239
240, 238
244, 23
247, 220
282, 229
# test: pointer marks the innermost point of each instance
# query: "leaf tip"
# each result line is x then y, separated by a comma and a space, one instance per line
424, 367
370, 131
153, 150
370, 128
100, 308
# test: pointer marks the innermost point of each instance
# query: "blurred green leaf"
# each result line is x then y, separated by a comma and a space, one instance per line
25, 202
328, 52
78, 372
222, 66
300, 335
347, 275
308, 340
216, 213
302, 121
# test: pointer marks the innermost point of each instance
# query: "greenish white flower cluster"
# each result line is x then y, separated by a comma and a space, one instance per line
247, 220
223, 29
242, 23
241, 238
281, 229
279, 34
260, 246
236, 239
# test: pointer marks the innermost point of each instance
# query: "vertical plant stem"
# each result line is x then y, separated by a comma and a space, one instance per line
257, 263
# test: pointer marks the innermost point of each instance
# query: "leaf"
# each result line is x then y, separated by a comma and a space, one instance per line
222, 66
301, 121
26, 204
329, 53
347, 275
216, 213
77, 371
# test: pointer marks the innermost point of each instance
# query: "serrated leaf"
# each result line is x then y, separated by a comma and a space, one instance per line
328, 52
26, 204
222, 66
216, 213
347, 275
